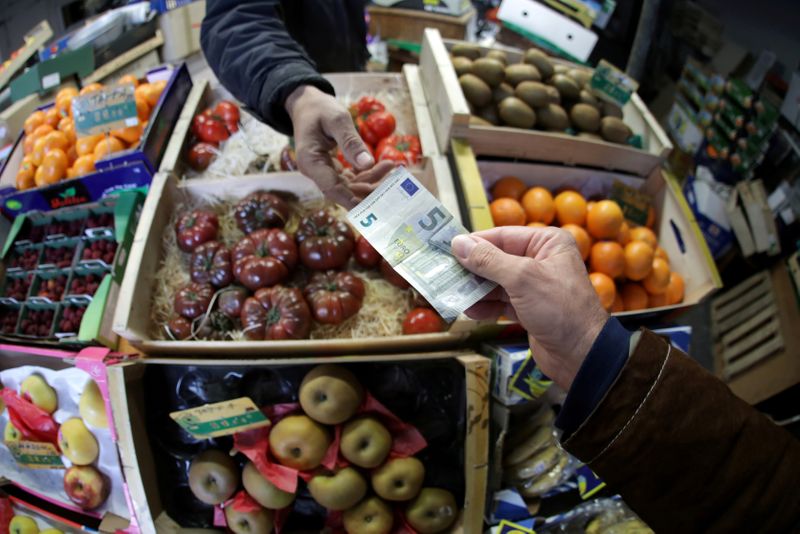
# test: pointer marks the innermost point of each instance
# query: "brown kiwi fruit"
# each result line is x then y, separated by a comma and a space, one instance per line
558, 68
614, 130
611, 110
463, 65
566, 86
489, 114
588, 98
581, 76
552, 117
475, 90
516, 113
541, 61
555, 96
502, 92
532, 93
516, 74
477, 121
590, 135
466, 50
499, 55
489, 70
586, 118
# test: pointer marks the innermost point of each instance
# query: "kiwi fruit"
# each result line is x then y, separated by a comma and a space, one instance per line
463, 65
532, 93
489, 70
553, 117
466, 50
516, 74
475, 90
555, 96
499, 55
566, 86
588, 98
539, 59
489, 114
501, 92
477, 121
590, 135
611, 110
586, 118
581, 76
614, 130
516, 113
560, 69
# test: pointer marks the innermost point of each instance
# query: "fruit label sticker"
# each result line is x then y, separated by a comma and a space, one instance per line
36, 455
529, 382
104, 110
635, 204
507, 527
221, 418
611, 84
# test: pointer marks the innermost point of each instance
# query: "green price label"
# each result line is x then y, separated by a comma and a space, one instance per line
221, 418
635, 204
35, 455
611, 84
105, 110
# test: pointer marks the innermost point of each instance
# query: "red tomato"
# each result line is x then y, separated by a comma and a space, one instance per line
391, 276
211, 264
180, 328
324, 241
366, 132
390, 153
260, 210
227, 111
264, 258
195, 228
192, 300
201, 155
366, 105
231, 300
276, 313
342, 159
422, 321
213, 130
199, 120
334, 296
366, 256
381, 123
407, 145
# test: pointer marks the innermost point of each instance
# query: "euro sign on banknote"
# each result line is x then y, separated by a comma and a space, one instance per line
411, 229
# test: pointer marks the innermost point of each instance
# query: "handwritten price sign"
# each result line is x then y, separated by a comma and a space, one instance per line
104, 110
221, 418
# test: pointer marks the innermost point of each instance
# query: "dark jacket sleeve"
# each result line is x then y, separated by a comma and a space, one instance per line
685, 453
247, 46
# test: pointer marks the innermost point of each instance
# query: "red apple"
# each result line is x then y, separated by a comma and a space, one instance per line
86, 486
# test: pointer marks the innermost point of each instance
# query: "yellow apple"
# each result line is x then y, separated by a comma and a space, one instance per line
77, 443
263, 491
11, 434
365, 442
370, 516
258, 522
399, 479
35, 389
330, 394
338, 491
434, 510
92, 407
299, 442
213, 476
52, 531
22, 524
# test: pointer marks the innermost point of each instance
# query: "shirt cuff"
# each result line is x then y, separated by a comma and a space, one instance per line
598, 372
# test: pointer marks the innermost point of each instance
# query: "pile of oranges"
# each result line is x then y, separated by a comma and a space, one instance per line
52, 150
626, 266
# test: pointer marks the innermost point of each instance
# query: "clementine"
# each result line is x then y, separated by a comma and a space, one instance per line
607, 257
604, 286
675, 289
34, 120
657, 281
91, 88
570, 208
507, 212
604, 220
642, 233
107, 146
539, 206
508, 187
86, 145
581, 237
634, 297
129, 78
624, 236
83, 165
638, 260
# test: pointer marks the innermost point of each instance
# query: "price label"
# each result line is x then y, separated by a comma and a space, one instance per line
221, 418
529, 382
51, 80
36, 455
611, 84
104, 110
635, 204
507, 527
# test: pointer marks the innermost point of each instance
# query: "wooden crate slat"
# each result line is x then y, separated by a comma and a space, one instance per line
768, 349
742, 301
731, 353
745, 286
745, 313
761, 317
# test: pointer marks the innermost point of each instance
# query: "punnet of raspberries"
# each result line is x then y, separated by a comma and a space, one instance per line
17, 288
102, 249
8, 320
53, 288
100, 220
37, 323
71, 318
67, 228
84, 285
25, 259
61, 257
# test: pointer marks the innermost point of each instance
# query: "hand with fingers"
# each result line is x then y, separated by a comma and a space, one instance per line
542, 284
320, 124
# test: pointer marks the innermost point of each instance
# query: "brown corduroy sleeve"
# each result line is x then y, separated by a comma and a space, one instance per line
685, 453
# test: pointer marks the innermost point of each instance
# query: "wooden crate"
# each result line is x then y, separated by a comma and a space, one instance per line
675, 226
132, 320
451, 120
755, 327
410, 24
137, 455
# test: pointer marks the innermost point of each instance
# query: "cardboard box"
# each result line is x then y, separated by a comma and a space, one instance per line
515, 377
181, 28
451, 116
142, 452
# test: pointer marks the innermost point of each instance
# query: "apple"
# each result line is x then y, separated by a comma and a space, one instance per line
370, 516
258, 522
330, 394
299, 442
399, 479
338, 491
51, 531
35, 389
365, 442
434, 510
213, 476
11, 434
22, 524
263, 491
86, 486
92, 407
77, 443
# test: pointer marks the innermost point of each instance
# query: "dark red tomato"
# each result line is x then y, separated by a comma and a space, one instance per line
276, 313
366, 256
211, 264
213, 130
180, 328
195, 228
365, 106
199, 120
325, 241
260, 210
422, 321
264, 258
381, 123
192, 300
392, 154
407, 145
391, 276
227, 111
230, 301
200, 156
288, 159
215, 327
334, 296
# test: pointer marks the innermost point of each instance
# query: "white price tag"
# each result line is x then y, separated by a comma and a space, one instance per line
51, 80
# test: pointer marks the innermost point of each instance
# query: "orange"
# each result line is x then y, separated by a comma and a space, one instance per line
64, 104
675, 288
107, 146
71, 174
508, 187
642, 233
83, 165
536, 225
130, 135
154, 93
85, 145
651, 217
42, 130
661, 253
624, 236
54, 166
507, 212
68, 127
589, 204
582, 239
25, 174
604, 286
607, 257
27, 143
634, 297
570, 208
33, 121
657, 281
142, 109
67, 91
618, 305
604, 220
539, 206
55, 139
129, 78
38, 177
72, 154
91, 88
656, 301
141, 91
37, 154
638, 260
52, 116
